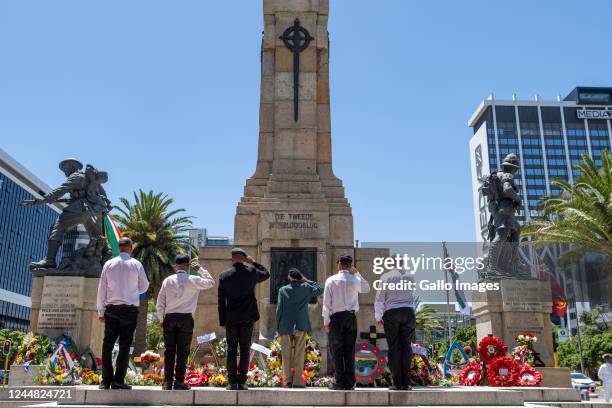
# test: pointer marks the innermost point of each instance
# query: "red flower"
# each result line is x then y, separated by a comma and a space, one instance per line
529, 376
376, 350
503, 372
99, 361
364, 346
471, 374
490, 348
382, 360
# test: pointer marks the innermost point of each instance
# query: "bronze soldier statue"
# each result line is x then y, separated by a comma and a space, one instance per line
504, 201
87, 205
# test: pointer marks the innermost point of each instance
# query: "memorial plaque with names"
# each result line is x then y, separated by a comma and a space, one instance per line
61, 297
521, 296
282, 259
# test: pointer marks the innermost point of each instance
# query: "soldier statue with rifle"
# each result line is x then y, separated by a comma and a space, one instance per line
504, 202
86, 205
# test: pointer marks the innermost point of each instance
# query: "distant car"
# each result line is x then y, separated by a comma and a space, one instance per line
582, 382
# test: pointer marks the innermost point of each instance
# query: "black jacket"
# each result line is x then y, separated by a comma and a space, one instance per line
237, 302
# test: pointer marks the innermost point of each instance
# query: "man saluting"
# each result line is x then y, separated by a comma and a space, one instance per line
176, 303
238, 312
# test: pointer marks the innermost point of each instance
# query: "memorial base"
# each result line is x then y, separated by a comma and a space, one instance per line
67, 305
19, 376
519, 306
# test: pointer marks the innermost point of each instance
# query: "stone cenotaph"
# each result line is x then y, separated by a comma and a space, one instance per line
293, 212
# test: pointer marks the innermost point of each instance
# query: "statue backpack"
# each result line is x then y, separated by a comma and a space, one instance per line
95, 192
491, 187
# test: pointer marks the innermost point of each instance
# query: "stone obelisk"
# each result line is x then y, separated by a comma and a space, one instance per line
294, 212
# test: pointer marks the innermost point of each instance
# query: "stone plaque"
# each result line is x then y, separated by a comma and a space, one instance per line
294, 224
522, 296
61, 297
305, 259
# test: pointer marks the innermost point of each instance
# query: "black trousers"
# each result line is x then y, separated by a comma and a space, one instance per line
342, 337
399, 330
238, 334
178, 332
119, 323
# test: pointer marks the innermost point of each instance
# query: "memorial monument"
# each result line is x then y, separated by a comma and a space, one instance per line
293, 212
64, 295
522, 304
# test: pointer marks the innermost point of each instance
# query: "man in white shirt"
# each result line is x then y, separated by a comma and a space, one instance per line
122, 281
340, 303
394, 310
605, 375
176, 304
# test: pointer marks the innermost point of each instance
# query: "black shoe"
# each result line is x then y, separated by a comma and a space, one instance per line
406, 388
299, 386
242, 387
103, 386
288, 385
350, 388
120, 386
167, 386
43, 264
232, 387
181, 386
395, 388
336, 387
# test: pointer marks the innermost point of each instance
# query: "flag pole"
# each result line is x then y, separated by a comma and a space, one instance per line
448, 314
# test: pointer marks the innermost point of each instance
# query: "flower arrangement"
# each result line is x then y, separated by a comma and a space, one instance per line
526, 339
149, 357
490, 348
56, 372
419, 373
33, 350
220, 347
528, 376
133, 377
152, 379
312, 363
471, 374
196, 378
88, 377
523, 354
503, 372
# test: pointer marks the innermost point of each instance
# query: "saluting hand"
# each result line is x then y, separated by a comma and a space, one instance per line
250, 260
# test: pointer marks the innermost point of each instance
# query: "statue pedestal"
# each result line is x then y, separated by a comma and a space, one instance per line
67, 304
519, 306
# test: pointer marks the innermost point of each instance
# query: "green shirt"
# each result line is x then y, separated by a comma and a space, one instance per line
292, 306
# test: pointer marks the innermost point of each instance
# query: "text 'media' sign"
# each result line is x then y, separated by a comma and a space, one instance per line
593, 114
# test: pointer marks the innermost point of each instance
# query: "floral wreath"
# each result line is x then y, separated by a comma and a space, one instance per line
528, 376
471, 374
490, 348
503, 372
365, 372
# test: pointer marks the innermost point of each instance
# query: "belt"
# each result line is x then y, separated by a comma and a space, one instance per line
343, 311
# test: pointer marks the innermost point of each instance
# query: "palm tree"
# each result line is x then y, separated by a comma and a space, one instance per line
425, 318
581, 215
159, 234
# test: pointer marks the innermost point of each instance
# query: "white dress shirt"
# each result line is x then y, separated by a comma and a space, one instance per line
341, 293
605, 375
179, 292
122, 281
398, 296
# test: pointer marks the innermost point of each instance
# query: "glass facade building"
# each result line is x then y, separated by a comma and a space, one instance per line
23, 239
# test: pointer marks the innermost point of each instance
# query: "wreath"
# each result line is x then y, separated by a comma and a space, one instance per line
370, 362
528, 376
503, 372
471, 374
490, 348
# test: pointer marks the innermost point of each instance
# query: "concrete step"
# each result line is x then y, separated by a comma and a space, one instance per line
310, 397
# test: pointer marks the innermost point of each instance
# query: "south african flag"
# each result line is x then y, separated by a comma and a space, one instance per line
113, 235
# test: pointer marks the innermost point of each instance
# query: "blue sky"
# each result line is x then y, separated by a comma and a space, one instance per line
164, 95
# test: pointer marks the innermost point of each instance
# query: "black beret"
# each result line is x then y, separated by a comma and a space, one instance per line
182, 259
239, 251
346, 259
294, 273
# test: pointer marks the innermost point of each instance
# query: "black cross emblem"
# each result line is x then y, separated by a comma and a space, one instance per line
372, 335
296, 38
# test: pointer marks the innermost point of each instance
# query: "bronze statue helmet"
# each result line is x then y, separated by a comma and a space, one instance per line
70, 165
511, 160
